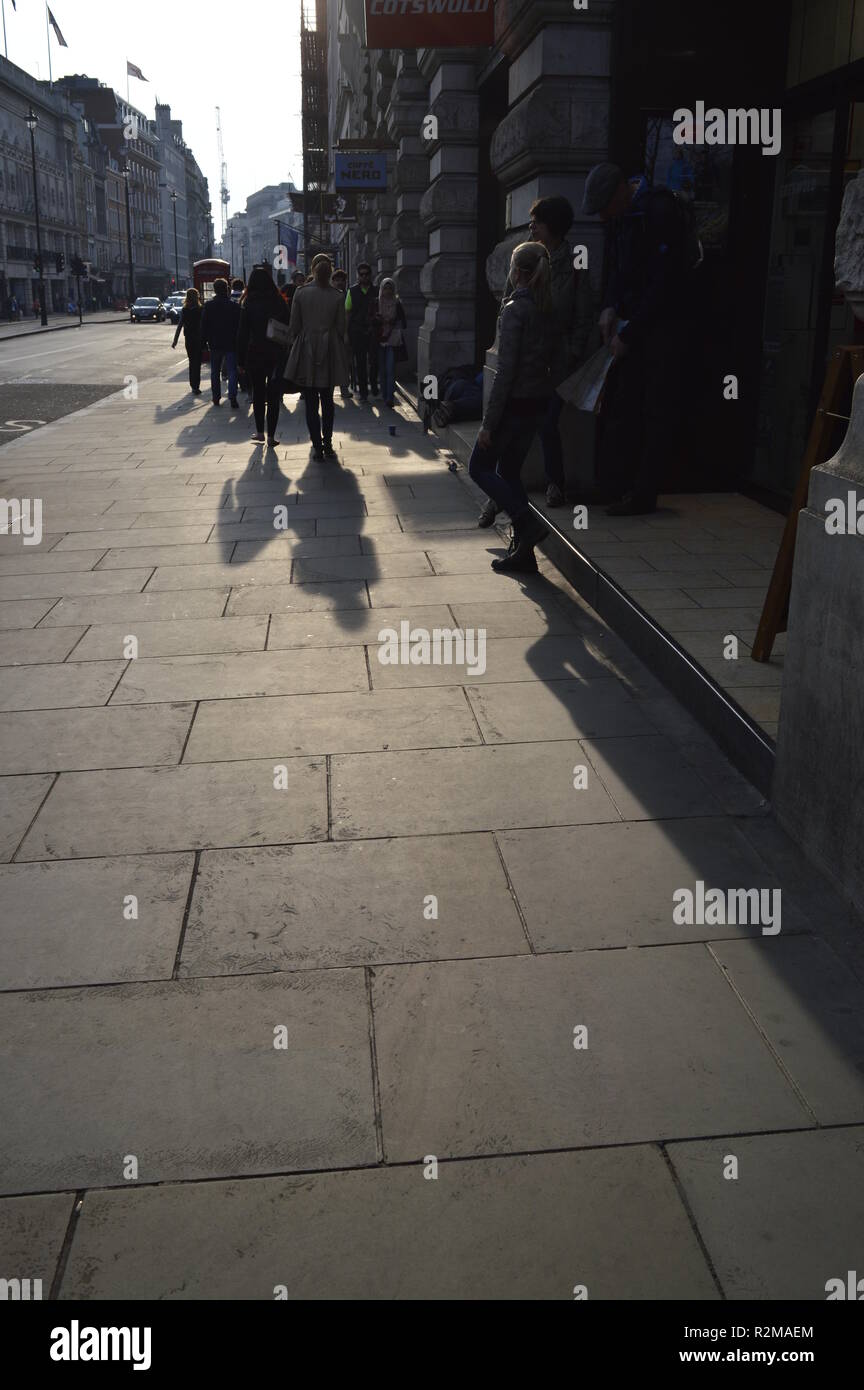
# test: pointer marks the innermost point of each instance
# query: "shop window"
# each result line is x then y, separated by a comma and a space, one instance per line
798, 234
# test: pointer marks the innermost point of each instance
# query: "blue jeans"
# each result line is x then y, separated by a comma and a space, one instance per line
216, 373
497, 469
387, 371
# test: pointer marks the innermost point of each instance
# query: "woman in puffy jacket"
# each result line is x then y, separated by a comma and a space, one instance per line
526, 342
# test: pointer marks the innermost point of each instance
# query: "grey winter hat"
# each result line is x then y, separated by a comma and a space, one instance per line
601, 186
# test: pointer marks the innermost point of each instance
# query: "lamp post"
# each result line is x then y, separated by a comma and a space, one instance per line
126, 172
32, 122
176, 252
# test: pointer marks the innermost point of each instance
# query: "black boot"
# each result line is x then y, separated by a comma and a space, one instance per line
528, 531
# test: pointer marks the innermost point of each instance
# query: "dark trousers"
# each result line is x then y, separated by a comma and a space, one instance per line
311, 397
365, 365
642, 407
550, 438
193, 352
266, 394
498, 469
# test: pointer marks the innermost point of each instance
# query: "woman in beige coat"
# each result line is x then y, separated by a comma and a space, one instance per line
318, 359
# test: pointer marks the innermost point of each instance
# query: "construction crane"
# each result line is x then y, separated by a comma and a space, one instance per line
224, 195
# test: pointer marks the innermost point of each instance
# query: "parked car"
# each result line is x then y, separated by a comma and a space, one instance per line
172, 306
147, 309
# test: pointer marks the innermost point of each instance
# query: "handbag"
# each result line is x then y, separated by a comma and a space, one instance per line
278, 332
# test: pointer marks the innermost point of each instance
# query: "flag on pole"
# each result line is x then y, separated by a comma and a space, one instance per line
56, 27
132, 70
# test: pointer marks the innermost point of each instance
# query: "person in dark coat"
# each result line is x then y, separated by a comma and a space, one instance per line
262, 358
219, 324
646, 288
189, 323
360, 305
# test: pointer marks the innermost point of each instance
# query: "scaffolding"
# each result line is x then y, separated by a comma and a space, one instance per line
316, 153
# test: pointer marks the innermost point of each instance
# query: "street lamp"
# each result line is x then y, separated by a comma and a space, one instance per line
32, 122
126, 172
176, 253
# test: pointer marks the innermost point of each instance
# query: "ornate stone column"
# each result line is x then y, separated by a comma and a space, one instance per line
448, 209
409, 104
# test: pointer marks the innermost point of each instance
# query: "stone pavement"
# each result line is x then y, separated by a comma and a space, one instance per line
362, 980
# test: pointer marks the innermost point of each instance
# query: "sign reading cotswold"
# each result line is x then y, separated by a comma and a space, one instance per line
429, 23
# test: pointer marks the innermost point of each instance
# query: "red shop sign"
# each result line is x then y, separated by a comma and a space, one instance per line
430, 23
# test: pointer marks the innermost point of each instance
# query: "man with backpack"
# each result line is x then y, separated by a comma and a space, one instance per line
651, 249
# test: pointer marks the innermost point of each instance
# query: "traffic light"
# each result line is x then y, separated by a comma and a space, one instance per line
60, 262
37, 263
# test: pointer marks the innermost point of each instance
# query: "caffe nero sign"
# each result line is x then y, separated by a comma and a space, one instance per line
429, 23
367, 171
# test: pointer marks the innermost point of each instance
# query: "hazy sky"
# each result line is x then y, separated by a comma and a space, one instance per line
196, 54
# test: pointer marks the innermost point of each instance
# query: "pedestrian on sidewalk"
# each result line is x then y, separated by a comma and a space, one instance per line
262, 358
189, 323
318, 358
389, 326
573, 311
649, 251
220, 321
340, 281
526, 342
359, 307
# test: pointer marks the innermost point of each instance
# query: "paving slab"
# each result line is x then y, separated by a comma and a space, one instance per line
357, 526
459, 789
648, 779
32, 646
523, 712
50, 563
136, 608
539, 1225
479, 1057
792, 1219
319, 629
23, 612
148, 810
120, 539
179, 638
155, 555
186, 1078
576, 886
233, 675
281, 727
299, 598
810, 1008
520, 659
303, 906
455, 588
70, 923
32, 1232
60, 740
61, 685
20, 799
